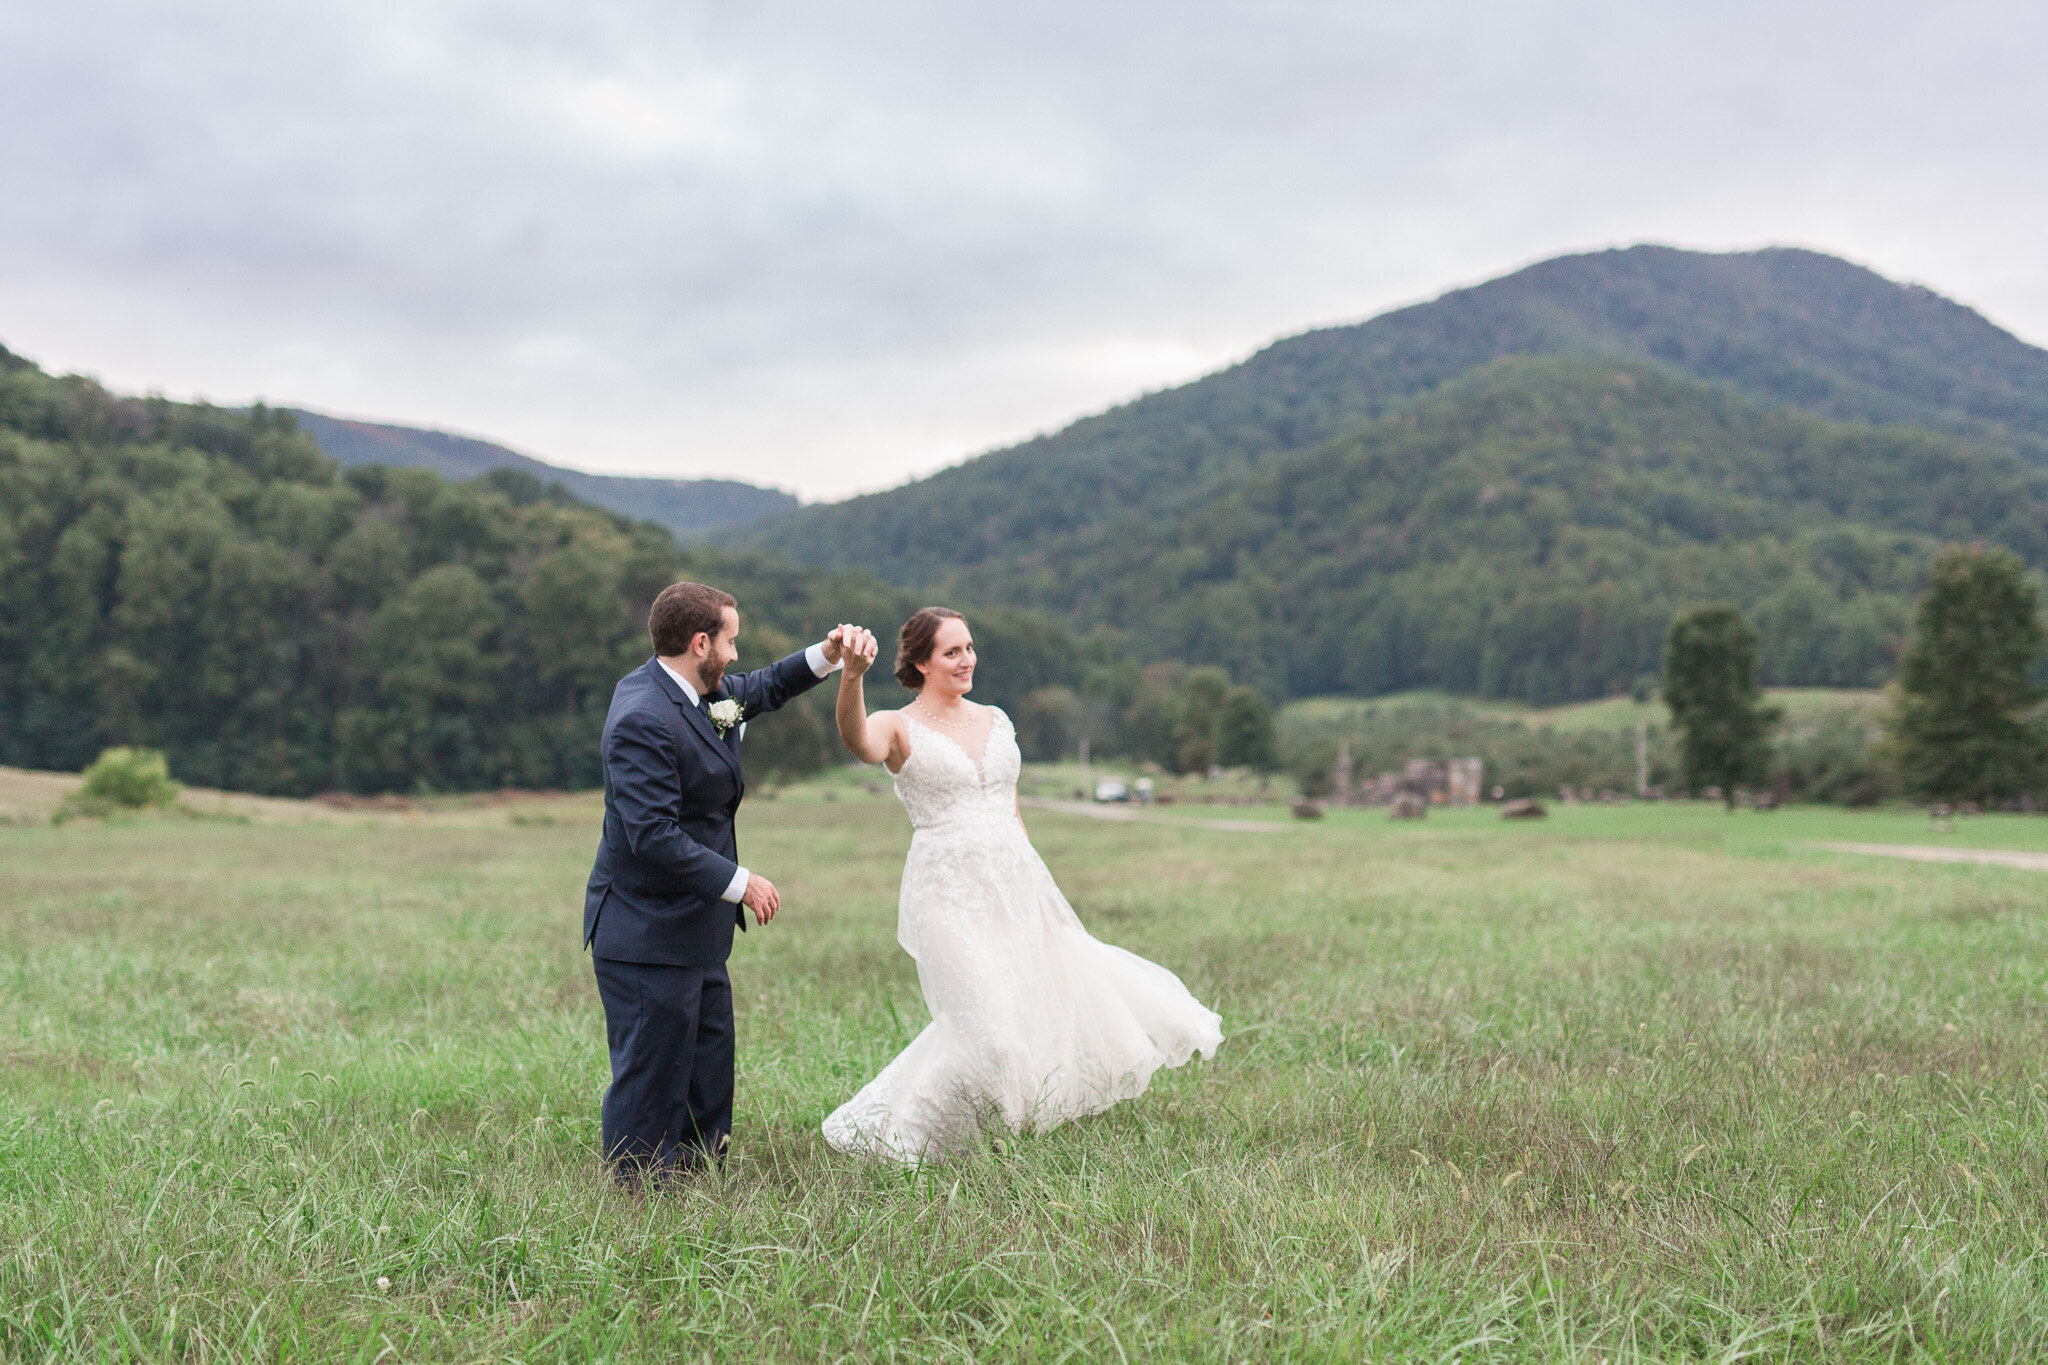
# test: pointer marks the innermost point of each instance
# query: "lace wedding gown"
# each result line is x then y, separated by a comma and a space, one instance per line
1034, 1021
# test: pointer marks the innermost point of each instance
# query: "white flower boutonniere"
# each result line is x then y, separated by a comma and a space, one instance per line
724, 713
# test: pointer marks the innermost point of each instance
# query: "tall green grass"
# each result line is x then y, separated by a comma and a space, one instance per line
1653, 1083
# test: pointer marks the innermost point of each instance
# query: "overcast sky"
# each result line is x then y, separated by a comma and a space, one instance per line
829, 246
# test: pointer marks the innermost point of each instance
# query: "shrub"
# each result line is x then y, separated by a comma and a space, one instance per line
122, 779
1835, 757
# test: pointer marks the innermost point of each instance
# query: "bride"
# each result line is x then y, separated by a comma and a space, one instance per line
1034, 1021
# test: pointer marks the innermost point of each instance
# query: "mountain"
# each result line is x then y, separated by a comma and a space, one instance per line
689, 507
1787, 328
1528, 530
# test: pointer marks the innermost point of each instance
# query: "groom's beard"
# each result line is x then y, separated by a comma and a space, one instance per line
708, 685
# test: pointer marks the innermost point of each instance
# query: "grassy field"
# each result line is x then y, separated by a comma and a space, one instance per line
1611, 713
1632, 1083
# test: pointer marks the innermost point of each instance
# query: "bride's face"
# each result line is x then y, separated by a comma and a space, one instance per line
950, 670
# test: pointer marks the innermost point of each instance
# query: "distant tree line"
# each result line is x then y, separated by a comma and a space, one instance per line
1184, 719
204, 582
1963, 724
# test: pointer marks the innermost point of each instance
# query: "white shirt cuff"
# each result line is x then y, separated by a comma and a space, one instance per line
815, 657
738, 887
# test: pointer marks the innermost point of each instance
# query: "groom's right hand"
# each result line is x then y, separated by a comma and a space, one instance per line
760, 897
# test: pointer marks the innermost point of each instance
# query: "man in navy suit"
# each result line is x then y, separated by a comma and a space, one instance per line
668, 888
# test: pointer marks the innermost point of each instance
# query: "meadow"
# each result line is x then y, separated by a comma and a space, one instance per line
1799, 704
1632, 1083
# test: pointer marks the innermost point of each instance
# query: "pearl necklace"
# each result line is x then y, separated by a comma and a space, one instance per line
939, 720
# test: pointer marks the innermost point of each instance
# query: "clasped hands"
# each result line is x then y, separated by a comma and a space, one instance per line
854, 646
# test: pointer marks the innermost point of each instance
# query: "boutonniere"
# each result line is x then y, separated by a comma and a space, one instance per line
724, 713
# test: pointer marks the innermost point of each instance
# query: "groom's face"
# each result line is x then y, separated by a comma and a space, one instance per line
717, 653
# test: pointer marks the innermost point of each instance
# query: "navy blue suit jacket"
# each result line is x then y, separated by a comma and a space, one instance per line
671, 788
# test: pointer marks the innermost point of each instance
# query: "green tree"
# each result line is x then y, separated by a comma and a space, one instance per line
1710, 685
577, 616
430, 663
791, 743
1244, 732
1196, 710
1149, 720
1050, 723
1962, 727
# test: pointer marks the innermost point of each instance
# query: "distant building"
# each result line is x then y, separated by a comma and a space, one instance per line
1380, 791
1428, 778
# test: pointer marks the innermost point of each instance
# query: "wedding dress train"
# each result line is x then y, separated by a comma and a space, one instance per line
1033, 1020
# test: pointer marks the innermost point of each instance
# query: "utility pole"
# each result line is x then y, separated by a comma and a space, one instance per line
1642, 756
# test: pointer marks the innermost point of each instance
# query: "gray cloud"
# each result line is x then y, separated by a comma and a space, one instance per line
828, 246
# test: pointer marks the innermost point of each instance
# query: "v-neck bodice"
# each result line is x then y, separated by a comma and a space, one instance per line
942, 784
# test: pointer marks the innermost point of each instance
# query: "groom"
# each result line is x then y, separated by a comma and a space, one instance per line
668, 888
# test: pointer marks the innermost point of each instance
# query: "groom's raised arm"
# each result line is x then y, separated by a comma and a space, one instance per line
766, 689
646, 793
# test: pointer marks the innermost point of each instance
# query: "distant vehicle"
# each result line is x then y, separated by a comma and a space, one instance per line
1111, 789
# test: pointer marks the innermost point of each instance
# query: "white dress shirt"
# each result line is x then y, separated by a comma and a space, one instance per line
815, 657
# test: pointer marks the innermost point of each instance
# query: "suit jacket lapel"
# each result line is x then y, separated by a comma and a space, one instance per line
694, 716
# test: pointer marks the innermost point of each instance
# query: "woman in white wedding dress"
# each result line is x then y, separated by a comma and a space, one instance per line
1034, 1021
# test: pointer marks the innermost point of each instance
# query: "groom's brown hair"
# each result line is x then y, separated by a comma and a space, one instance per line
681, 611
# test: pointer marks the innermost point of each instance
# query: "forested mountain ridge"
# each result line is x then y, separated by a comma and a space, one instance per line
205, 581
1784, 326
688, 507
1528, 530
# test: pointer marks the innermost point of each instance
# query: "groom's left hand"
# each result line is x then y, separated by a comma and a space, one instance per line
834, 645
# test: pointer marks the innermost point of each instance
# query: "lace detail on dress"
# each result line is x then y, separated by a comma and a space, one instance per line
1033, 1020
941, 783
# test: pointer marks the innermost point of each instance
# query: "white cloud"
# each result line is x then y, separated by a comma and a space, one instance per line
827, 246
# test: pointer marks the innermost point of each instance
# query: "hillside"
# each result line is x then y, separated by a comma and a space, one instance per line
1785, 327
1528, 530
688, 507
207, 582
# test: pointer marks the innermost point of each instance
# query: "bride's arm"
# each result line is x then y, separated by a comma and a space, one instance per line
871, 739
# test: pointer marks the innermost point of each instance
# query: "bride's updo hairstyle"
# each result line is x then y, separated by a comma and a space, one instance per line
914, 643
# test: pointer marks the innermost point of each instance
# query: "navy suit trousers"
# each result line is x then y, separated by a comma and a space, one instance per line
671, 1035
